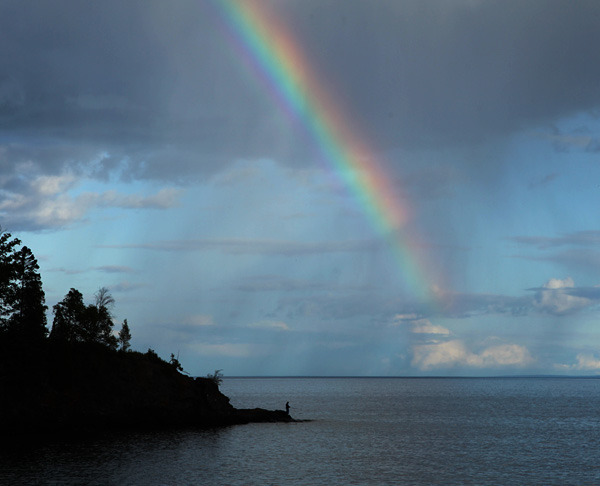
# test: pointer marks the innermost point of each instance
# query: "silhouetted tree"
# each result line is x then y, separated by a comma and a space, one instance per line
7, 270
76, 322
22, 300
174, 362
99, 319
28, 320
68, 315
8, 253
104, 299
124, 336
216, 377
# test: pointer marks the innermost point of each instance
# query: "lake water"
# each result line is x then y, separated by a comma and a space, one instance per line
361, 431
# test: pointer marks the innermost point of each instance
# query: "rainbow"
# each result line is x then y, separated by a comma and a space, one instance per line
268, 46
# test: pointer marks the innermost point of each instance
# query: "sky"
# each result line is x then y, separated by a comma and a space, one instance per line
314, 187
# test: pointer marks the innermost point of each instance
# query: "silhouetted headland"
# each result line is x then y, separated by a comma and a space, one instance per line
81, 374
78, 386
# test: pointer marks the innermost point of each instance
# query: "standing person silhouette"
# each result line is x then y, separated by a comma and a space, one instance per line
287, 407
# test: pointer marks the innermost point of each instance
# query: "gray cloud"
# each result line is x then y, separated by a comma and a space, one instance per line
578, 238
565, 299
126, 286
580, 138
586, 259
103, 268
557, 297
276, 283
126, 78
370, 307
243, 246
465, 305
577, 250
115, 269
542, 181
381, 309
154, 90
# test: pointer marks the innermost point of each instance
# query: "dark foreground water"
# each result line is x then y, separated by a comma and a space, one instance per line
364, 431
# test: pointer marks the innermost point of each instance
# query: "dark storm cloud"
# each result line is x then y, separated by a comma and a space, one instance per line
155, 87
427, 72
141, 82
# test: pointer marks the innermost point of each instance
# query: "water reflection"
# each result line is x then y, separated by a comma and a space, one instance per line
160, 457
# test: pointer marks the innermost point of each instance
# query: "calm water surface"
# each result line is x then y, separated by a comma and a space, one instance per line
362, 431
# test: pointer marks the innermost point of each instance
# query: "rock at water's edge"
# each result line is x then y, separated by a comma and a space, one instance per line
247, 415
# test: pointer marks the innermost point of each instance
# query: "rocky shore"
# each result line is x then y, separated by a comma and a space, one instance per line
80, 387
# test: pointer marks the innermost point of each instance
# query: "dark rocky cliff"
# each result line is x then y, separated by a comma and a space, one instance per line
80, 387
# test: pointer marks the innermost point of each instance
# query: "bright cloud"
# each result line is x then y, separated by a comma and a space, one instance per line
45, 201
424, 326
556, 297
556, 283
585, 362
53, 185
455, 353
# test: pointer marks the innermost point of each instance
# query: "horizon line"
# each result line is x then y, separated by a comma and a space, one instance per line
409, 376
